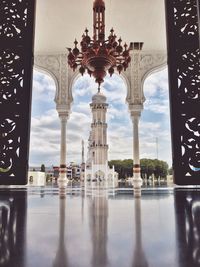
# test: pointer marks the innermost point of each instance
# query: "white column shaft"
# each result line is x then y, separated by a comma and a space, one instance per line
63, 170
63, 121
137, 181
136, 152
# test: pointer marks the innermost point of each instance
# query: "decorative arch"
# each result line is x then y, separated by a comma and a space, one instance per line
127, 82
152, 71
73, 77
51, 75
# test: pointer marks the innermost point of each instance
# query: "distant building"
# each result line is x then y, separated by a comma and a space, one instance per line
73, 171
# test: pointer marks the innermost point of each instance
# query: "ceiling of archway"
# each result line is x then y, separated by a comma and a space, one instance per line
59, 22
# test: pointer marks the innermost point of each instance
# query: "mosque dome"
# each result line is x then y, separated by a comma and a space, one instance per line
99, 98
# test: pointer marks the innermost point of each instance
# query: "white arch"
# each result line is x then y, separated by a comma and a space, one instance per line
128, 85
75, 76
150, 72
51, 75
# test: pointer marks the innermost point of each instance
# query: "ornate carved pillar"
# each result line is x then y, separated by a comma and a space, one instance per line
135, 100
142, 64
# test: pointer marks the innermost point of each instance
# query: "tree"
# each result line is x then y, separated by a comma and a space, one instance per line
123, 167
42, 169
149, 167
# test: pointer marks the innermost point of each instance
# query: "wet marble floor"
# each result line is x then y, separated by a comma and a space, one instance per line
39, 228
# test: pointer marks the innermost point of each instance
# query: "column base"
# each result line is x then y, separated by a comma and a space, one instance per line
62, 185
137, 184
62, 182
62, 174
62, 178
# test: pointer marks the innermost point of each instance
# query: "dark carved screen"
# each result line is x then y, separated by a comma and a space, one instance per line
184, 84
16, 63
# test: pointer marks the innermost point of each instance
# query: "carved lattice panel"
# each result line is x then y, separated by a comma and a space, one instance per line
16, 63
184, 83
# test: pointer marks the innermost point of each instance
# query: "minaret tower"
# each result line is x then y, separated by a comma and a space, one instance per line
82, 154
98, 146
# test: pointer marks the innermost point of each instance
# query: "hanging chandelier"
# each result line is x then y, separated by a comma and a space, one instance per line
98, 55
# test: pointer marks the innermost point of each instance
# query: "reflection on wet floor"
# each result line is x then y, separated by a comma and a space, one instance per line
12, 228
99, 230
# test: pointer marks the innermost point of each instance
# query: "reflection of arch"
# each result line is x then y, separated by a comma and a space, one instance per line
51, 75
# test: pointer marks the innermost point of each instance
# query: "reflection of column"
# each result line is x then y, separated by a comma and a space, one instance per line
99, 220
61, 255
137, 181
63, 119
139, 256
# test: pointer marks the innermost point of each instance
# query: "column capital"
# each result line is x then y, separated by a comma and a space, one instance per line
135, 114
63, 115
63, 111
135, 110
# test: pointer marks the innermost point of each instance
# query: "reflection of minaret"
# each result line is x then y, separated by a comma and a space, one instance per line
98, 225
139, 256
61, 255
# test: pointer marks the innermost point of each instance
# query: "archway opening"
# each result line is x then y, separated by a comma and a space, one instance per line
155, 135
45, 125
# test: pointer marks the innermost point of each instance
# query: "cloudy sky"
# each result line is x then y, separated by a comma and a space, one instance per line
45, 126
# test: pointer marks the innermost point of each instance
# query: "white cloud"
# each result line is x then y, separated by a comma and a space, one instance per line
156, 83
160, 106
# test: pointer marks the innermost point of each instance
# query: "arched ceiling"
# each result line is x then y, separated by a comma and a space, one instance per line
59, 22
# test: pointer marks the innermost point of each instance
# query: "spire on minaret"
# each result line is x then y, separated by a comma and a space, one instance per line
99, 88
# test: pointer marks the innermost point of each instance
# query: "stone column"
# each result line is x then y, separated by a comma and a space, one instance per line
137, 181
63, 170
